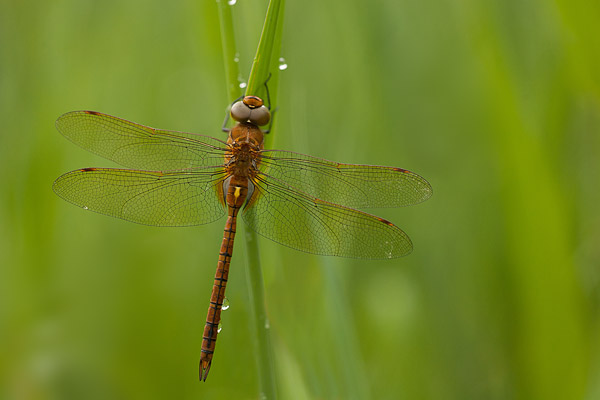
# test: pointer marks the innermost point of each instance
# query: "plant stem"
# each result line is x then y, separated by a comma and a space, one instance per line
232, 68
262, 335
269, 45
270, 37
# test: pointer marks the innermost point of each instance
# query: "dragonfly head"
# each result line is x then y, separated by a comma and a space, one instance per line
251, 109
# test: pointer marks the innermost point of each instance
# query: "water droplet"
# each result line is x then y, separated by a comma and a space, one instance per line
282, 64
236, 58
243, 85
231, 2
225, 305
267, 324
389, 249
219, 328
85, 208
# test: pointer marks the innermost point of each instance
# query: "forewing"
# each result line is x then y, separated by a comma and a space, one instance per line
145, 197
136, 146
353, 185
297, 220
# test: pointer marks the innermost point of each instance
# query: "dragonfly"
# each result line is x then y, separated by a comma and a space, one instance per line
185, 179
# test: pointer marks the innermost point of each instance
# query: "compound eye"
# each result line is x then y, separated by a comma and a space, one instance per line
240, 112
260, 116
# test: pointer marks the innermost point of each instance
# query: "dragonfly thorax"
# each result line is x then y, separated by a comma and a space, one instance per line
245, 143
245, 133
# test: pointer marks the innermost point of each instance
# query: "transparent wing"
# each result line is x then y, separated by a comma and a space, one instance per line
297, 220
137, 146
146, 197
353, 185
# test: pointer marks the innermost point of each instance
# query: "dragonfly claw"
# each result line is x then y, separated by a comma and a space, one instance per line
204, 368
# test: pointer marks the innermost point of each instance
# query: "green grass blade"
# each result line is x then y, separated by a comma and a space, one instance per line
261, 68
262, 336
271, 37
232, 69
265, 61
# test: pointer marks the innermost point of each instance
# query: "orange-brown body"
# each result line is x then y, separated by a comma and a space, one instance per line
241, 160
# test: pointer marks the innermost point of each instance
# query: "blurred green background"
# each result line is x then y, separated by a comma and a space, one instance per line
495, 102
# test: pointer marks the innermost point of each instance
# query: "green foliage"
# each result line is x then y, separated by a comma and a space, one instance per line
270, 43
496, 103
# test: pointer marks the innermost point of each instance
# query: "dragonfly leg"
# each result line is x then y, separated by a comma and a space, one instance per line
224, 128
267, 89
268, 130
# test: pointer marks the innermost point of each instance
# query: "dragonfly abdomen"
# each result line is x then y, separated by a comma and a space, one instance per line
235, 197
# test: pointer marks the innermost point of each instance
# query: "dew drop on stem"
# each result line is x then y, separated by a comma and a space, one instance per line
282, 64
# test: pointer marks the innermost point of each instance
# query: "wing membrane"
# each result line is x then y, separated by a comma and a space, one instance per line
353, 185
136, 146
297, 220
145, 197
